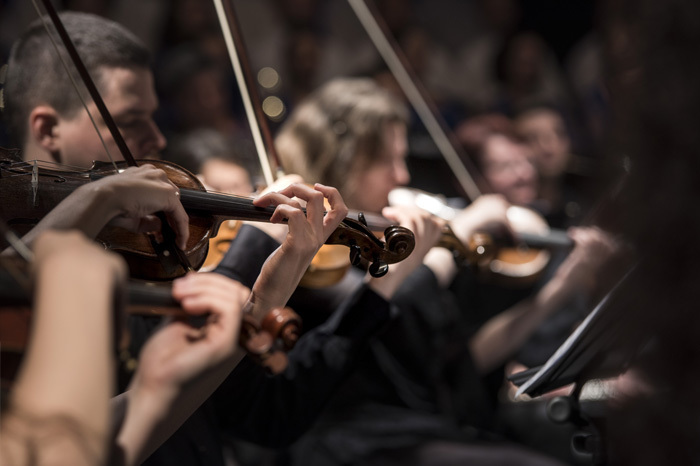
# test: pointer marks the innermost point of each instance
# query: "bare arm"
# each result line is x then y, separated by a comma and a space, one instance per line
63, 389
284, 268
128, 199
180, 366
500, 337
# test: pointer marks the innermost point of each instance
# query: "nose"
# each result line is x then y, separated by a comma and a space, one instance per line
400, 172
154, 141
524, 170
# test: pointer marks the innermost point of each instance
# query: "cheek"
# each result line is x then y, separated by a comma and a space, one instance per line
499, 181
371, 191
81, 147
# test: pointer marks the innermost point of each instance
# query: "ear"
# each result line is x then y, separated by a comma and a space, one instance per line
43, 128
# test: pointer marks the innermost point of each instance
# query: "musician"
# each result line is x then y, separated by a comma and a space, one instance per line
51, 128
354, 131
59, 405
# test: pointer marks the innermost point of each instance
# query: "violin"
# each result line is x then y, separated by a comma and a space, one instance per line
37, 188
514, 266
330, 264
514, 261
266, 342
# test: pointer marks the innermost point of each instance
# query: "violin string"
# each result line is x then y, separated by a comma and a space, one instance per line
72, 79
23, 168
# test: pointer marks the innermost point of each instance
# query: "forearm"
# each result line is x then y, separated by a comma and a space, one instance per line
88, 209
441, 262
67, 373
68, 368
500, 337
277, 281
151, 416
247, 255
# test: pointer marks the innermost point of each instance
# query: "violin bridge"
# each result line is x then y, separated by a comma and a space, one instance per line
35, 181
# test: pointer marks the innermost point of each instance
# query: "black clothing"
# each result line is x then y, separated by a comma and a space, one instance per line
273, 410
415, 383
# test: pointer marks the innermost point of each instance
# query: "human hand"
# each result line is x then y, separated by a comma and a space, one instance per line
307, 233
277, 231
488, 212
180, 365
281, 183
135, 194
593, 248
178, 352
427, 230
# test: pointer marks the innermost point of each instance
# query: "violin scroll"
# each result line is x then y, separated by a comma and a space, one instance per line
365, 248
284, 325
268, 341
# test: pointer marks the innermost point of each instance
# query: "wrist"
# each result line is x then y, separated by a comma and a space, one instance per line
552, 295
103, 200
441, 262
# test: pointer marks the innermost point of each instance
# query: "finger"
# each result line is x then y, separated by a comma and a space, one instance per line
338, 209
300, 191
221, 292
401, 215
315, 211
179, 220
287, 213
283, 182
194, 282
275, 199
391, 213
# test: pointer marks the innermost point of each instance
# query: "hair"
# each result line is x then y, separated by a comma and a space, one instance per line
474, 132
193, 149
36, 76
337, 132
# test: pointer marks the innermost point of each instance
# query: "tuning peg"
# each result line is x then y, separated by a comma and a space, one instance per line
378, 269
361, 218
355, 254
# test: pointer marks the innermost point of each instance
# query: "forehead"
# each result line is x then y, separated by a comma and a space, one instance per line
540, 121
128, 90
500, 148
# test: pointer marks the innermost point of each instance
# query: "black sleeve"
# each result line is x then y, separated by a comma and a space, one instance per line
245, 257
275, 410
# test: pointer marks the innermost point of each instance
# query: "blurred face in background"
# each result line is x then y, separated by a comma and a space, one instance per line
223, 176
386, 172
545, 133
508, 170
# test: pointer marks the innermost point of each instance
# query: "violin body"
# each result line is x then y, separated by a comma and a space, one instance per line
492, 257
266, 342
35, 190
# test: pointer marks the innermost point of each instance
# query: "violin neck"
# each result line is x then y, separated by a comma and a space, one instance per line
555, 239
224, 205
375, 222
